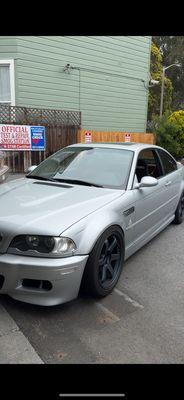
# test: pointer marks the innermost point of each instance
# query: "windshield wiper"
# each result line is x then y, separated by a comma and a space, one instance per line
41, 178
77, 181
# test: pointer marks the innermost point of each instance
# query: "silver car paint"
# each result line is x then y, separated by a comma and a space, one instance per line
65, 275
81, 213
48, 209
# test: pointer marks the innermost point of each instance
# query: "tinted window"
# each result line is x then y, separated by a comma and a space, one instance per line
169, 164
103, 166
148, 164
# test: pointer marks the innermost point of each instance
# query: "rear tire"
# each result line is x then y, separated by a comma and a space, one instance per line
105, 263
179, 213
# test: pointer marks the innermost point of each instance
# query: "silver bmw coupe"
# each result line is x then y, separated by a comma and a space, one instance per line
73, 220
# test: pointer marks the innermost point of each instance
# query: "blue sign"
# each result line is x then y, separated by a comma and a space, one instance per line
37, 137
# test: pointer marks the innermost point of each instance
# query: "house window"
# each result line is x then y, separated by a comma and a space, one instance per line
7, 85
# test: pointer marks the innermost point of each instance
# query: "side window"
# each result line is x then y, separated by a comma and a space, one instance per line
169, 164
148, 164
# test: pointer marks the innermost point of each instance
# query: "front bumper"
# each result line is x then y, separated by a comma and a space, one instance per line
64, 274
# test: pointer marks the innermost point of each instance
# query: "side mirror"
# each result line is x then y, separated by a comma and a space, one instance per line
30, 169
146, 181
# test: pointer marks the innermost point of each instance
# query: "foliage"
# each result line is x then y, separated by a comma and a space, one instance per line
172, 51
156, 69
177, 118
169, 132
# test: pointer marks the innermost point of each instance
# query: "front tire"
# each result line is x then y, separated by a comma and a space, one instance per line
179, 213
105, 263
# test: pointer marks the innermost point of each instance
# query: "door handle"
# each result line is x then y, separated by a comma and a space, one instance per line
168, 183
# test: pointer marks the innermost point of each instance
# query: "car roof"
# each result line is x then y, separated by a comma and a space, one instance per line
123, 145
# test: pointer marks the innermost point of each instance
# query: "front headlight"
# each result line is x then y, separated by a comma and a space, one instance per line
42, 246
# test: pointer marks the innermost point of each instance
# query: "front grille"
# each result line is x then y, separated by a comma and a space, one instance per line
1, 281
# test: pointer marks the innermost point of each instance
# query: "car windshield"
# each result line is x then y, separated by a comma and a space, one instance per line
94, 166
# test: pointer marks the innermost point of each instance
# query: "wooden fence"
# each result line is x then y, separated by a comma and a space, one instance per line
105, 136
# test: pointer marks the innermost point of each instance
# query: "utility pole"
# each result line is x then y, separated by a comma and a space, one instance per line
162, 93
162, 86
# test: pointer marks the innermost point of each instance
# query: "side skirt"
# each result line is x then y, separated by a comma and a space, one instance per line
146, 237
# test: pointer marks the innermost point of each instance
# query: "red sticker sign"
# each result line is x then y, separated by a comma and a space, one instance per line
127, 137
88, 137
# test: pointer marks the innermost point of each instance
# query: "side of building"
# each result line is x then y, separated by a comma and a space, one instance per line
103, 77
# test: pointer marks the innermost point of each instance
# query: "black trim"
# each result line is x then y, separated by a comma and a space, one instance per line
129, 211
158, 159
52, 184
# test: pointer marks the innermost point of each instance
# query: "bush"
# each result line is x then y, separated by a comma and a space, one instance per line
177, 118
169, 133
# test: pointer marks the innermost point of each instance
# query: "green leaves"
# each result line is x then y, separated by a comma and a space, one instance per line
172, 51
156, 69
169, 132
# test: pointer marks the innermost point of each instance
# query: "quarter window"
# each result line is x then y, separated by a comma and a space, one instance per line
169, 164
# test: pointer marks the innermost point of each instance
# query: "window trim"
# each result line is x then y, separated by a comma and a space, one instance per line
11, 64
152, 149
160, 158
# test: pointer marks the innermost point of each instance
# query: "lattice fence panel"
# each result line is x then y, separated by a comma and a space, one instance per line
33, 116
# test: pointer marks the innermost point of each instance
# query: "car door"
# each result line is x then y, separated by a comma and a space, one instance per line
172, 181
151, 209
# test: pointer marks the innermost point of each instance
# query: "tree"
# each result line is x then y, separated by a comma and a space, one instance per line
169, 132
172, 51
156, 69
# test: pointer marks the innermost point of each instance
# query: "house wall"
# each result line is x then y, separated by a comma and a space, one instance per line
106, 84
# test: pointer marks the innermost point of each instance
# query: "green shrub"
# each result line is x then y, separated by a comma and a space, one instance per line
177, 118
169, 133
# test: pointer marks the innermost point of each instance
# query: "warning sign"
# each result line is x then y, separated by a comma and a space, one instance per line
127, 137
88, 137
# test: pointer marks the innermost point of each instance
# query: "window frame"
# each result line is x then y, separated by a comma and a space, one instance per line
11, 64
157, 155
160, 158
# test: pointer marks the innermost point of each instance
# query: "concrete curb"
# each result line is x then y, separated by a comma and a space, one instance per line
14, 347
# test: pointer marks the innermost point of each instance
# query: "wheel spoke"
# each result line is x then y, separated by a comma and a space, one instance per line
104, 273
112, 245
101, 261
115, 257
106, 245
110, 269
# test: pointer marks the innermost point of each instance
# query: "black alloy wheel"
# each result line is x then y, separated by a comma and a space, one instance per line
105, 263
109, 261
179, 214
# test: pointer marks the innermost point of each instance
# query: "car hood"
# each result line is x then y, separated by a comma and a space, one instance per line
39, 207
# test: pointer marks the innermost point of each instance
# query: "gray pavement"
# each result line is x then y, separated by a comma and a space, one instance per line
14, 347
